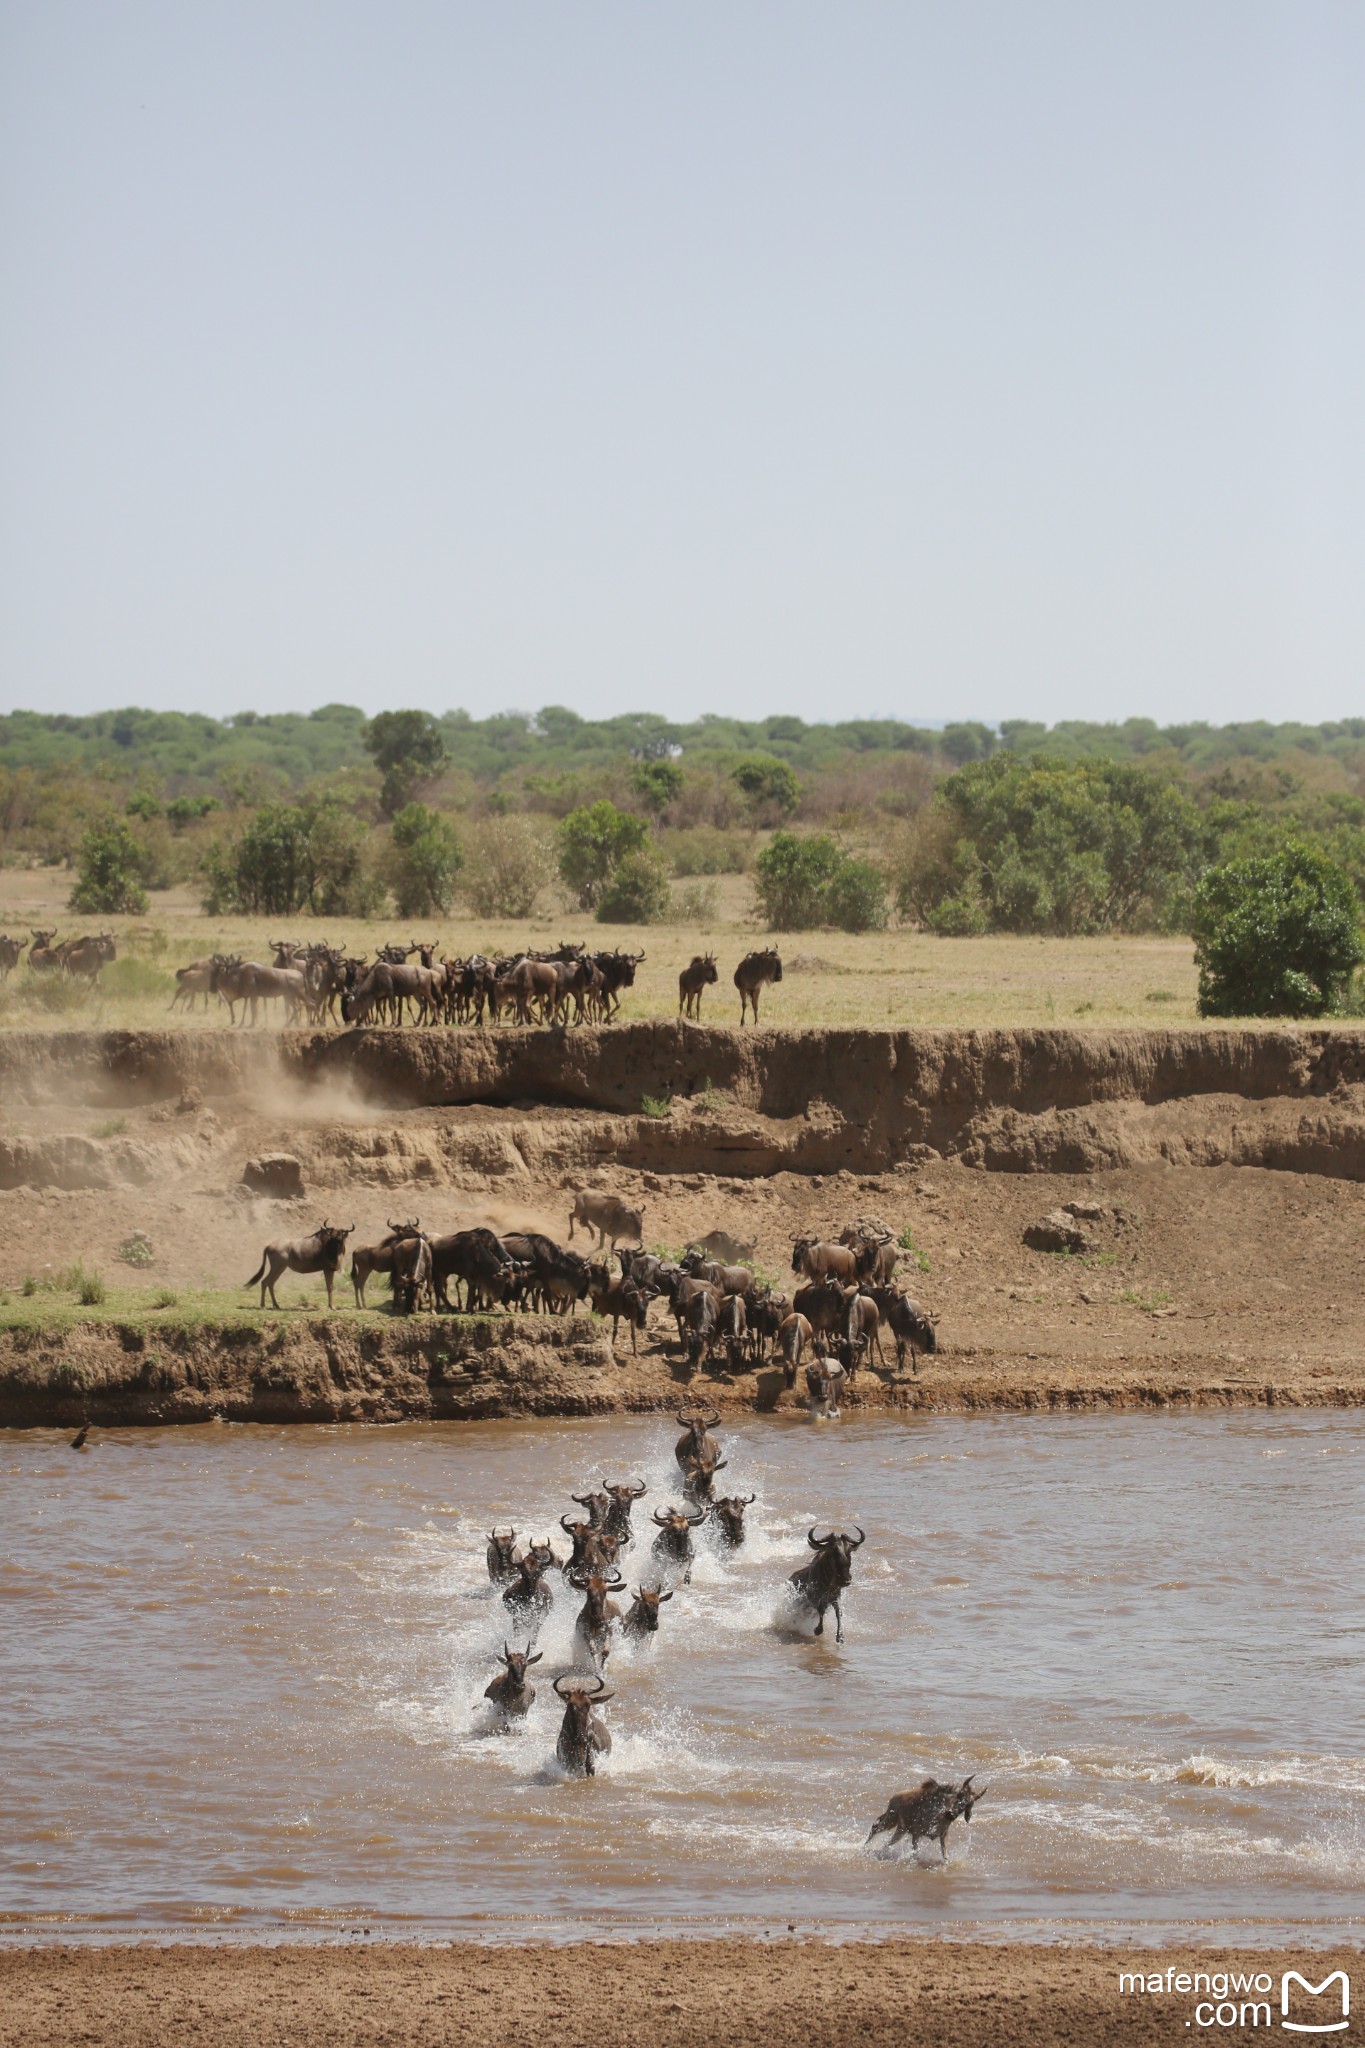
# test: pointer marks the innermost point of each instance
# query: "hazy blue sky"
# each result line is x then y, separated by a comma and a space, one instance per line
964, 360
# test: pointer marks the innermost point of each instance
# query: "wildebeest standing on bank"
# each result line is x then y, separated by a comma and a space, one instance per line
752, 972
320, 1253
821, 1582
10, 949
931, 1810
696, 976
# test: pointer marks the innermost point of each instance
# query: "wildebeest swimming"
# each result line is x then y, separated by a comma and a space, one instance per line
928, 1811
320, 1253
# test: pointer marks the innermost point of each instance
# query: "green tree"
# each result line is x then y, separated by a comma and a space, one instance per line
510, 861
110, 866
657, 784
771, 787
425, 856
811, 881
293, 857
637, 891
408, 749
1276, 936
593, 841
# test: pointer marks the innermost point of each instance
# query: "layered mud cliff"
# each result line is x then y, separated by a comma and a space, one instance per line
753, 1102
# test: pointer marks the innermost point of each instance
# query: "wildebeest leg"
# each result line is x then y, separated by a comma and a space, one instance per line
329, 1274
838, 1623
943, 1839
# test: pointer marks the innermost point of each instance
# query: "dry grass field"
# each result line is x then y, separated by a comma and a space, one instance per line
884, 979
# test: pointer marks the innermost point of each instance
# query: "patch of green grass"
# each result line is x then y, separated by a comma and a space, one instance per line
1160, 995
1083, 1009
657, 1106
165, 1297
135, 1250
907, 1243
1093, 1259
709, 1097
112, 1127
1134, 1298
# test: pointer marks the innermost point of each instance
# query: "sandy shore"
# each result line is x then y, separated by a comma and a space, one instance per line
695, 1994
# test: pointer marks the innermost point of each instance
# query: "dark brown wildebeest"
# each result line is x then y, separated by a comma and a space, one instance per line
642, 1616
617, 971
912, 1329
592, 1628
729, 1279
623, 1499
766, 1313
528, 1591
928, 1811
793, 1338
583, 1736
612, 1295
729, 1517
378, 1258
478, 1258
826, 1381
821, 1582
597, 1505
820, 1260
503, 1555
674, 1541
696, 976
558, 1277
862, 1325
410, 1276
320, 1253
10, 949
509, 1692
608, 1215
882, 1243
696, 1440
594, 1548
825, 1307
752, 972
734, 1331
249, 983
43, 956
88, 957
699, 1476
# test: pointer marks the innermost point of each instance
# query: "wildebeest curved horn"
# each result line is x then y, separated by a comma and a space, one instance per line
506, 1653
614, 1581
536, 1659
712, 1419
566, 1525
816, 1542
560, 1680
861, 1538
748, 1499
720, 1464
601, 1692
700, 1516
662, 1520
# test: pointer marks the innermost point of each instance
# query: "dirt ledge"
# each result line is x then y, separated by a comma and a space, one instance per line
319, 1369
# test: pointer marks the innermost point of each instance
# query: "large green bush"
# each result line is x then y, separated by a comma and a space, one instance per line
424, 858
111, 865
294, 857
509, 862
593, 841
807, 881
637, 891
407, 747
1277, 936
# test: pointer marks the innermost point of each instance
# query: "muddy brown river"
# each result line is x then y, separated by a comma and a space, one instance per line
241, 1677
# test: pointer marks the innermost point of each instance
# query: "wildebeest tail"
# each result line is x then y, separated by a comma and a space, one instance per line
259, 1273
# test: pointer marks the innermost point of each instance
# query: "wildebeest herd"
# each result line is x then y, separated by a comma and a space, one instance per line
83, 959
599, 1537
320, 983
726, 1318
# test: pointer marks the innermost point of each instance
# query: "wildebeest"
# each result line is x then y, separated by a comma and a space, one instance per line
734, 1331
642, 1616
583, 1736
249, 983
592, 1628
930, 1810
196, 979
674, 1540
503, 1556
479, 1259
623, 1499
43, 956
729, 1517
509, 1691
88, 957
696, 1440
820, 1260
378, 1258
696, 976
10, 949
718, 1244
594, 1549
703, 1325
826, 1381
558, 1277
320, 1253
597, 1506
699, 1475
608, 1215
752, 972
830, 1573
883, 1246
613, 1295
912, 1329
793, 1338
410, 1276
528, 1589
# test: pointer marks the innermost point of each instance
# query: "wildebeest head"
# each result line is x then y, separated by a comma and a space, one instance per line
729, 1514
836, 1550
500, 1547
676, 1521
623, 1498
580, 1697
964, 1798
644, 1615
332, 1242
518, 1662
598, 1506
696, 1422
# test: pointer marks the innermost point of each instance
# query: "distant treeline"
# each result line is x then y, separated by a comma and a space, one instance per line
1064, 829
192, 754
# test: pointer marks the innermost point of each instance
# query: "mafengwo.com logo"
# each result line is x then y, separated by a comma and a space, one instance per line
1227, 1999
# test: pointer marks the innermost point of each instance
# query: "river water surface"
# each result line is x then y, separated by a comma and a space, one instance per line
241, 1673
